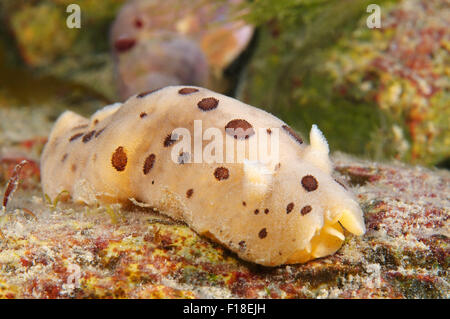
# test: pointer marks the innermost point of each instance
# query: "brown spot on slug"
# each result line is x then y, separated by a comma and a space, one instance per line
144, 94
289, 208
79, 127
244, 203
309, 183
87, 137
269, 131
262, 233
221, 173
266, 211
305, 210
142, 115
99, 132
208, 104
138, 23
76, 136
148, 163
96, 121
256, 211
189, 193
73, 167
242, 245
153, 182
292, 133
169, 141
63, 159
119, 159
124, 44
185, 91
239, 129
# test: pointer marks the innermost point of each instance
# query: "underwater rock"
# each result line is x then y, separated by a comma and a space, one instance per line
40, 32
112, 252
37, 44
379, 92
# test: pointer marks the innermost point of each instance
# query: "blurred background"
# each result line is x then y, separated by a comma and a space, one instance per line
380, 93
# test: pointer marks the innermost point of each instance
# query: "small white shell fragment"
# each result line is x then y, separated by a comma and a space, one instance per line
284, 211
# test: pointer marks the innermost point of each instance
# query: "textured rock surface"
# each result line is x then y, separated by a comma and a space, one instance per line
59, 250
35, 42
383, 92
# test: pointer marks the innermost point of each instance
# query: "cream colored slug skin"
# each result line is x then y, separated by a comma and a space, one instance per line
284, 210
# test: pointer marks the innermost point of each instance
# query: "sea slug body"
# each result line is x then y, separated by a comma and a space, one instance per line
286, 210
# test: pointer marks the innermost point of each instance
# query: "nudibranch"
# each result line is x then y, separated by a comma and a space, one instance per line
158, 43
288, 209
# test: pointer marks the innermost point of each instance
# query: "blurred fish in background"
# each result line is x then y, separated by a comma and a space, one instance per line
157, 43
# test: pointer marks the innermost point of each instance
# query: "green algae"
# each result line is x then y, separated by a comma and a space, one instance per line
318, 63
